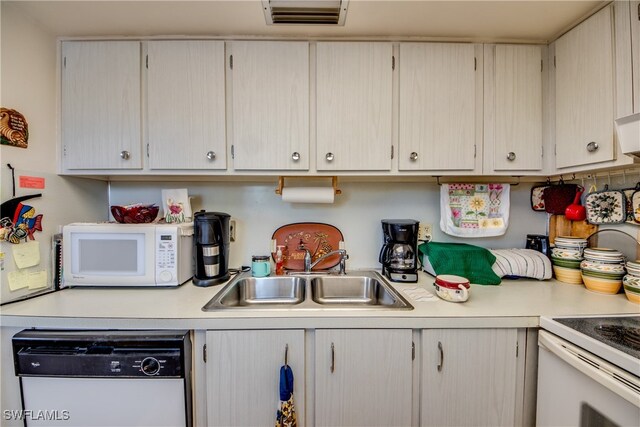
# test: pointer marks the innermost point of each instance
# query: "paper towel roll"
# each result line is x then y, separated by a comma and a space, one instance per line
308, 194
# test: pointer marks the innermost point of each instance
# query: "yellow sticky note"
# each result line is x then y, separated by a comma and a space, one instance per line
17, 280
26, 254
21, 279
37, 279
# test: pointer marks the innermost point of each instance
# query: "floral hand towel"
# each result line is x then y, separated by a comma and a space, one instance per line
474, 210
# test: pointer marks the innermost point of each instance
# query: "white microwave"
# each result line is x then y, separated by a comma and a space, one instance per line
110, 254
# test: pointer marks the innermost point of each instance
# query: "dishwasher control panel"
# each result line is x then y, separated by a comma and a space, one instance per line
125, 356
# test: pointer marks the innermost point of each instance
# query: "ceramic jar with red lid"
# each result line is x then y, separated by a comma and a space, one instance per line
452, 288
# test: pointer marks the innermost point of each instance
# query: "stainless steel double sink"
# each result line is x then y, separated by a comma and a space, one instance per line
355, 290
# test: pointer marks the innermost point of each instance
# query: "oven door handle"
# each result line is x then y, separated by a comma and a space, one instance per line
608, 375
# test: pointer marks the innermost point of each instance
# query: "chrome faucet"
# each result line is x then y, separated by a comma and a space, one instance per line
307, 256
308, 265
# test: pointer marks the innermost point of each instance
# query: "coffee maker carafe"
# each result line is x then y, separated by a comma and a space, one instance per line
211, 239
399, 253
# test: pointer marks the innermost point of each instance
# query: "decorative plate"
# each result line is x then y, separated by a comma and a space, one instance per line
318, 237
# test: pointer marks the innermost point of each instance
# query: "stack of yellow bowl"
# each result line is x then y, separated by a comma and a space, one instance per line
566, 258
631, 281
603, 270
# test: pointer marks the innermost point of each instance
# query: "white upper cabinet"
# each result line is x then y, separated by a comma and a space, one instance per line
635, 54
186, 104
270, 105
584, 88
513, 108
100, 96
440, 116
353, 106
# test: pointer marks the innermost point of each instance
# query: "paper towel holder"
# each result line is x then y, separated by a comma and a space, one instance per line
334, 182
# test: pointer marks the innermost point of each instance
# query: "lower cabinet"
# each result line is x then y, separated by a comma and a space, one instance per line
469, 377
243, 374
363, 377
358, 377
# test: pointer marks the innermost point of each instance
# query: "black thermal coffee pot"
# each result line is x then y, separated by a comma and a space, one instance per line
211, 240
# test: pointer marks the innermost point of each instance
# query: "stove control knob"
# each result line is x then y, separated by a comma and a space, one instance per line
150, 366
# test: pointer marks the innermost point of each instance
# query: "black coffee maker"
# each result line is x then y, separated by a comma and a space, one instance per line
211, 239
399, 254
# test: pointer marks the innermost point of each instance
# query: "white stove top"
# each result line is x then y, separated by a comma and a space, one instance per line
601, 335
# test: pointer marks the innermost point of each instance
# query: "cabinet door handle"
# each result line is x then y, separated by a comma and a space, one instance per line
511, 156
441, 363
286, 355
329, 157
592, 146
333, 358
124, 154
295, 156
211, 155
413, 156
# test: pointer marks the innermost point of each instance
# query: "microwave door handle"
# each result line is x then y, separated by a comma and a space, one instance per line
607, 375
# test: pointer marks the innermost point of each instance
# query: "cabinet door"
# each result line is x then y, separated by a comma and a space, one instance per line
584, 93
439, 92
513, 108
468, 377
270, 96
363, 377
353, 106
635, 54
243, 373
186, 105
101, 105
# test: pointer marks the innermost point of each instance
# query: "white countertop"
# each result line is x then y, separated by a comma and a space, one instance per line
515, 303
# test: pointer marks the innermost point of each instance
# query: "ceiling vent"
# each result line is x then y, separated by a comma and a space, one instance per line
305, 12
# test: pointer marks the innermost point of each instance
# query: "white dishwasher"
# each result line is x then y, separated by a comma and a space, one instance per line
104, 378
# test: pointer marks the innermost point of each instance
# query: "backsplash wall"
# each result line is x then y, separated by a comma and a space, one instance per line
357, 212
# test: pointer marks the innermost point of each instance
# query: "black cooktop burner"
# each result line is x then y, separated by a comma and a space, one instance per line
622, 333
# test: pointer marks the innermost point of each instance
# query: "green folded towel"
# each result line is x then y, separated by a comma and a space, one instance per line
461, 259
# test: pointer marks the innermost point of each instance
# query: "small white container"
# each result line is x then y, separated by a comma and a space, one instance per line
452, 288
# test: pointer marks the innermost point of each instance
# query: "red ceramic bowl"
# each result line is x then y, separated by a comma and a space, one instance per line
134, 214
450, 281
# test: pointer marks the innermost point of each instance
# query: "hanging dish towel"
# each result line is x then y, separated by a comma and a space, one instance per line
286, 414
474, 210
